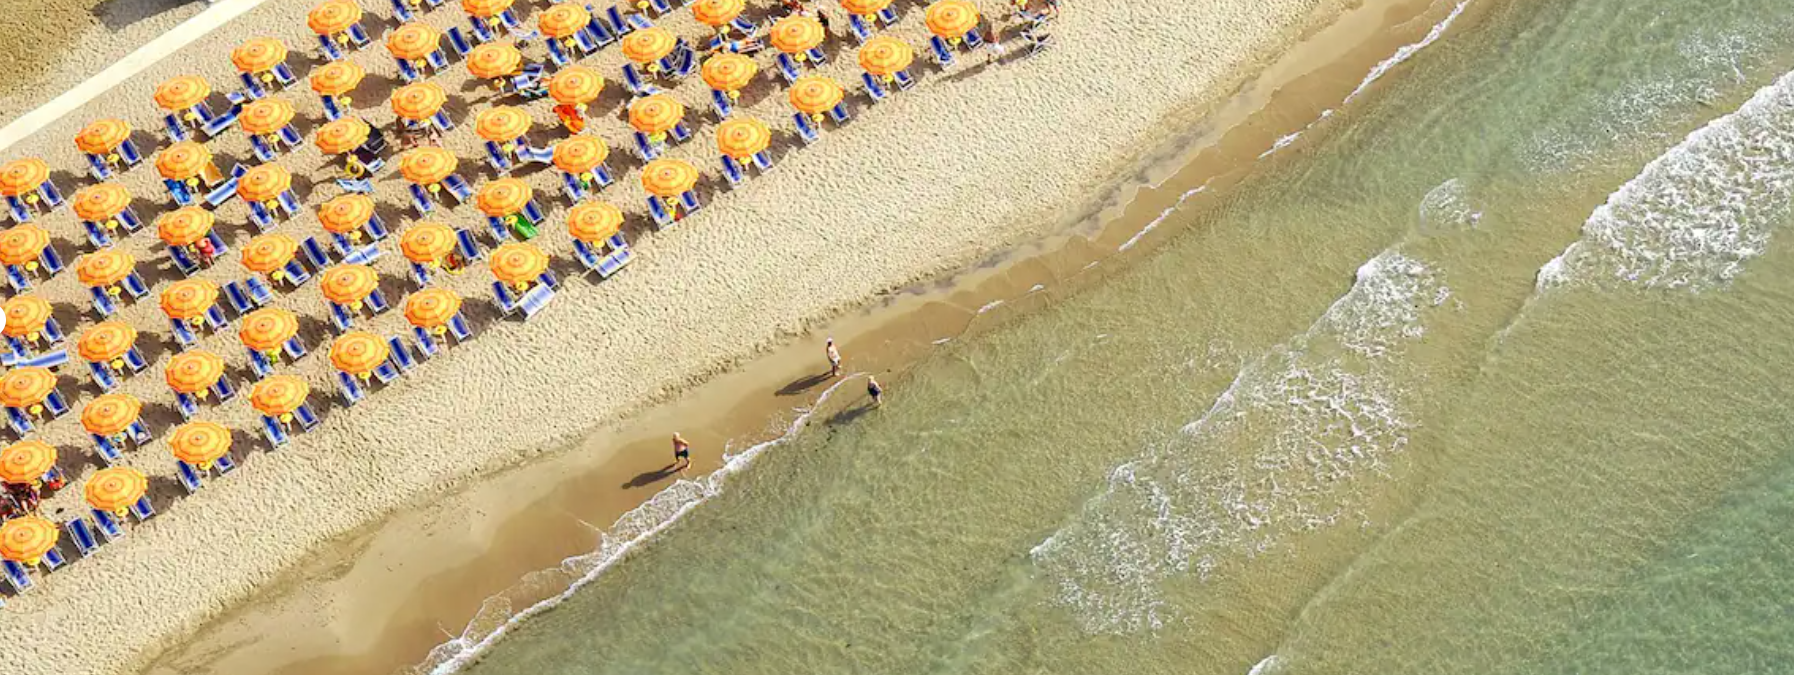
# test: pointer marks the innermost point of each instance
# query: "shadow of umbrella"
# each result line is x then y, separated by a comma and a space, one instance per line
118, 14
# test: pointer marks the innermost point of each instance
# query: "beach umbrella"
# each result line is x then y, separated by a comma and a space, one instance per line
101, 137
428, 165
797, 34
717, 13
267, 329
655, 114
418, 102
815, 94
266, 116
264, 183
26, 462
864, 7
27, 539
358, 353
503, 197
728, 72
26, 387
114, 490
180, 93
580, 154
258, 55
22, 244
413, 41
432, 307
346, 213
648, 45
110, 414
341, 136
22, 176
106, 342
268, 253
200, 443
193, 371
594, 222
885, 56
333, 16
951, 19
484, 9
184, 226
563, 20
349, 284
518, 263
26, 316
575, 85
104, 267
742, 137
100, 203
427, 243
668, 178
502, 124
189, 298
337, 78
183, 160
494, 60
279, 396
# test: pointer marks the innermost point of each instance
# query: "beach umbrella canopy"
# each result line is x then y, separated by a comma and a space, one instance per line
102, 136
358, 353
23, 175
485, 9
110, 414
648, 44
428, 165
518, 263
348, 284
346, 213
728, 71
184, 226
431, 307
269, 252
563, 20
200, 443
26, 315
26, 539
502, 124
183, 160
426, 243
193, 371
266, 116
580, 154
668, 177
96, 203
116, 489
104, 267
575, 85
864, 7
885, 55
418, 101
25, 462
951, 18
22, 243
188, 298
797, 33
182, 92
279, 395
333, 16
815, 94
258, 54
593, 222
264, 183
26, 387
655, 114
106, 341
494, 59
413, 41
742, 137
341, 136
717, 13
337, 78
266, 329
503, 197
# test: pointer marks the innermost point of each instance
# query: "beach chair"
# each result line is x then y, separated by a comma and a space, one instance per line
108, 526
787, 67
535, 300
238, 298
271, 430
657, 210
16, 576
689, 201
732, 172
426, 343
401, 355
217, 125
313, 252
632, 79
806, 129
874, 88
189, 477
81, 534
468, 248
943, 54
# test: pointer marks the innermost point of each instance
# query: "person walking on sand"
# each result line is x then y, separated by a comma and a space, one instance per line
834, 359
876, 392
681, 453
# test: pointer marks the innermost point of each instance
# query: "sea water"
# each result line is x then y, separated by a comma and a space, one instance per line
1495, 376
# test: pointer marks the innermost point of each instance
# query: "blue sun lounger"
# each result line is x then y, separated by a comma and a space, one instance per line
82, 536
16, 576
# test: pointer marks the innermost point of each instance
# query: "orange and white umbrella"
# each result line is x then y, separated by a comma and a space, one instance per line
21, 244
114, 490
180, 93
594, 222
502, 124
258, 55
413, 41
26, 387
267, 329
110, 414
99, 203
427, 243
814, 94
27, 539
648, 45
797, 33
563, 20
183, 160
884, 56
358, 353
266, 116
349, 284
264, 183
428, 165
267, 253
668, 178
575, 85
494, 60
184, 226
337, 78
200, 443
104, 267
21, 176
485, 9
717, 13
864, 7
432, 307
728, 72
26, 315
188, 298
26, 462
193, 371
742, 137
418, 102
342, 136
580, 154
333, 16
951, 19
106, 342
518, 263
655, 114
346, 213
503, 197
279, 396
102, 136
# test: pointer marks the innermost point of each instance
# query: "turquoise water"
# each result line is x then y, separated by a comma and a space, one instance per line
1493, 378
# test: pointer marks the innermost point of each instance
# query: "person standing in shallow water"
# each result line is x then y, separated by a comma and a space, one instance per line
834, 359
681, 453
876, 392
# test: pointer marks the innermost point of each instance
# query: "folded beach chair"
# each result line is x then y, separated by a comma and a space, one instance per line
216, 125
536, 299
81, 534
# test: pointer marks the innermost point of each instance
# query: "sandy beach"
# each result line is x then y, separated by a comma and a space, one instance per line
904, 193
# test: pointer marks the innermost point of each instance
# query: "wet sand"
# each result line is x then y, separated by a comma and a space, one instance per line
51, 45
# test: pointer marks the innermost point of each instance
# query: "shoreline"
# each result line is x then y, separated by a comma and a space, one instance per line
494, 529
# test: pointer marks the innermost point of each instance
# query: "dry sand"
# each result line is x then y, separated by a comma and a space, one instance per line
970, 161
